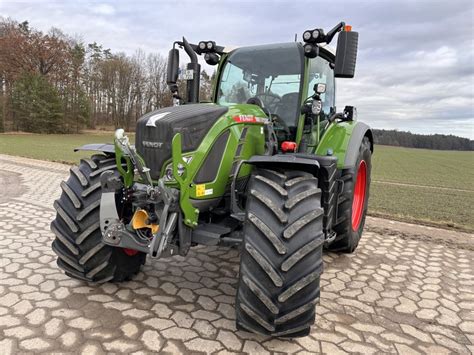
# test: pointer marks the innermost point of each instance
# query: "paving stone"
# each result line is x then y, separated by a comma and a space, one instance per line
309, 344
348, 332
152, 340
9, 299
416, 333
7, 346
182, 319
124, 346
179, 333
69, 338
406, 350
171, 348
396, 338
360, 348
229, 340
91, 349
35, 344
129, 329
81, 323
205, 329
203, 345
36, 317
448, 343
19, 332
281, 346
8, 321
467, 327
434, 349
22, 307
364, 327
201, 314
426, 314
159, 323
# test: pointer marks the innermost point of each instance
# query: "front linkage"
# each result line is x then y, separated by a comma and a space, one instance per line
150, 200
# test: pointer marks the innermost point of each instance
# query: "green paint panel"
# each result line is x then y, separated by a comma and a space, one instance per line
336, 139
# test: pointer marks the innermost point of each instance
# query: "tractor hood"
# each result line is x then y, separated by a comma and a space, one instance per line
156, 129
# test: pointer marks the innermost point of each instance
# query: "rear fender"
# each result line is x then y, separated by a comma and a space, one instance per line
343, 140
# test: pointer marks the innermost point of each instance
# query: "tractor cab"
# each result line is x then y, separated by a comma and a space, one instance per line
269, 76
278, 78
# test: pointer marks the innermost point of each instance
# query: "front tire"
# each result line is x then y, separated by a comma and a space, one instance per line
353, 202
78, 243
281, 260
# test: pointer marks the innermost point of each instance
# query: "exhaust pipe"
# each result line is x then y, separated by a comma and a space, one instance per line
192, 86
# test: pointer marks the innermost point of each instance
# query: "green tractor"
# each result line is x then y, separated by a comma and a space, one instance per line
268, 165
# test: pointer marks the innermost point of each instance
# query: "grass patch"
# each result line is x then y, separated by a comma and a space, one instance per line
424, 168
445, 208
451, 169
53, 147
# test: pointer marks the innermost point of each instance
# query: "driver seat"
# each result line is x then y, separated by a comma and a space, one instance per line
286, 108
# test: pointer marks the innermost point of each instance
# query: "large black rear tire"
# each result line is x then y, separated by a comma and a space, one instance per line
78, 243
349, 228
281, 260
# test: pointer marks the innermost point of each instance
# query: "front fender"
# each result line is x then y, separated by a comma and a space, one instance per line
343, 140
115, 150
97, 147
286, 161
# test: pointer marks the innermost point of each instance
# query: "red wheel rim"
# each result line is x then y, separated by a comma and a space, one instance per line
130, 252
359, 195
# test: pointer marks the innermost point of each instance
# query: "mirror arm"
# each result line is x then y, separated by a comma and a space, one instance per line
190, 51
330, 35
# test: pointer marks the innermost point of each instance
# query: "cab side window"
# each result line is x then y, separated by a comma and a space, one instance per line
321, 72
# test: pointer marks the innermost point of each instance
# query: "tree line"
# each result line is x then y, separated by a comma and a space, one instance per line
53, 83
412, 140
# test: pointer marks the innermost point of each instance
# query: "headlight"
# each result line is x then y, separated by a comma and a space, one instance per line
307, 35
169, 176
202, 45
210, 45
315, 34
310, 50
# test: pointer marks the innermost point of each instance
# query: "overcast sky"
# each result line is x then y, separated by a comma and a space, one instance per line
415, 68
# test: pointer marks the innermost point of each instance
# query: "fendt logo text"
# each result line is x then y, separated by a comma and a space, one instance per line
149, 144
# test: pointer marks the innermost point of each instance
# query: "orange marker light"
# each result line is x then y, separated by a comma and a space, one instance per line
287, 146
348, 28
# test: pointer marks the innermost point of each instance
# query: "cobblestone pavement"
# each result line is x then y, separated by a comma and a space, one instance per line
399, 293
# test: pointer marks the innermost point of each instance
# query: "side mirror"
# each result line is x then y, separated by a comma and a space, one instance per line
346, 54
173, 67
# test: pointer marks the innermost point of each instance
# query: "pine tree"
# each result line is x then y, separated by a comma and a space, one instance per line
37, 106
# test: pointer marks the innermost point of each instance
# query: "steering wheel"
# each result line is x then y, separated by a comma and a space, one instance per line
274, 98
281, 123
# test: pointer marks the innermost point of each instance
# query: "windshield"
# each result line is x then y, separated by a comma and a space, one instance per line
272, 73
